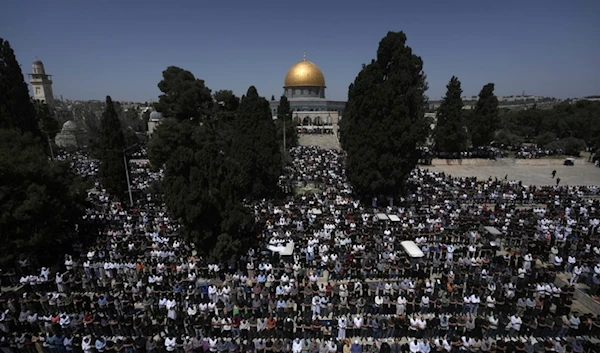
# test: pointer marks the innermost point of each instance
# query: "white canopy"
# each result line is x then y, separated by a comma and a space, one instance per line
492, 230
286, 250
316, 211
382, 217
394, 218
412, 249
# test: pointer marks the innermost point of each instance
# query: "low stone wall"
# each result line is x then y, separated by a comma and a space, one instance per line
504, 161
467, 161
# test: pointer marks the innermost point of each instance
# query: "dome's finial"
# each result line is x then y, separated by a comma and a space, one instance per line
304, 56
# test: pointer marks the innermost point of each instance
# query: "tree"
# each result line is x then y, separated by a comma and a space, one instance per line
16, 108
184, 96
39, 200
201, 184
384, 120
112, 142
47, 124
450, 134
485, 119
256, 146
226, 100
284, 112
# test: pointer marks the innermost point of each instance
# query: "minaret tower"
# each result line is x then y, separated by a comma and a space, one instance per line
42, 84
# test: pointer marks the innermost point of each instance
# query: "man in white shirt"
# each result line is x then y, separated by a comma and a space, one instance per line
515, 323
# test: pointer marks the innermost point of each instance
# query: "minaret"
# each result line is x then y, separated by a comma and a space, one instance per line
42, 84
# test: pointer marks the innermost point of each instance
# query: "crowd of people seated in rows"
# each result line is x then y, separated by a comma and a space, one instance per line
348, 286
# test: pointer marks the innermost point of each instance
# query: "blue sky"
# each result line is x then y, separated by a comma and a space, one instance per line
120, 48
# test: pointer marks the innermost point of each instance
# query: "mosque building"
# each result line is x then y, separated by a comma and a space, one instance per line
304, 86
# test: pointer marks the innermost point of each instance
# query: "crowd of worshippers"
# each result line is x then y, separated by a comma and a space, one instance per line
347, 287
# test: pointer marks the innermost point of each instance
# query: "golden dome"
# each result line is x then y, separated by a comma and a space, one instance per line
304, 74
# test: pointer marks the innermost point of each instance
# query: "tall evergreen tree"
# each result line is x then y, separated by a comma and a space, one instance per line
184, 96
485, 119
450, 134
256, 145
16, 108
112, 142
384, 121
284, 113
39, 200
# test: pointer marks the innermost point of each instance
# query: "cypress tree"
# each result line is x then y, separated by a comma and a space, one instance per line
112, 143
384, 121
450, 134
16, 108
485, 119
284, 112
256, 145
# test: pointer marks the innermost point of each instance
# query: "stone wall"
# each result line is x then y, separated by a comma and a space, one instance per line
504, 161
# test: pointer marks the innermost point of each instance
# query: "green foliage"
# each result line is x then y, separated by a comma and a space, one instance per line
184, 96
112, 143
256, 146
571, 145
507, 138
38, 200
16, 109
384, 119
226, 101
201, 183
211, 166
284, 112
485, 118
47, 124
450, 134
580, 120
544, 139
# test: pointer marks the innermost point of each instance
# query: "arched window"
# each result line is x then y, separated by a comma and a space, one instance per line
328, 120
306, 121
318, 121
297, 120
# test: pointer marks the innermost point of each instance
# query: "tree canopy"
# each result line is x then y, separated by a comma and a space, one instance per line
213, 164
578, 120
112, 143
184, 96
38, 199
485, 118
16, 109
450, 134
284, 113
256, 146
384, 120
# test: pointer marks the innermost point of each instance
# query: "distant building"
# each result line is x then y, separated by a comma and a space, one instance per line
304, 87
154, 121
41, 84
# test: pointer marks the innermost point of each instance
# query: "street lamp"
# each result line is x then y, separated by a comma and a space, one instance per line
126, 170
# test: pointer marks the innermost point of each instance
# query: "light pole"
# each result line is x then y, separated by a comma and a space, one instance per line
126, 170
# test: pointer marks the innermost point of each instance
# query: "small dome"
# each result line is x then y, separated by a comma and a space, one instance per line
155, 115
304, 74
70, 125
37, 61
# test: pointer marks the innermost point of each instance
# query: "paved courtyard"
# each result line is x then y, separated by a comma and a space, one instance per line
323, 141
529, 175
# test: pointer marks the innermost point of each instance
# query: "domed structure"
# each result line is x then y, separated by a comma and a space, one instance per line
155, 115
71, 135
304, 74
37, 61
69, 125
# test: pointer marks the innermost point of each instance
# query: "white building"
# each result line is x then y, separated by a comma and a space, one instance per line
41, 84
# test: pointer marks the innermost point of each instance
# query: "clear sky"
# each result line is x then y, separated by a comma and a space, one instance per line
120, 48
